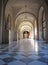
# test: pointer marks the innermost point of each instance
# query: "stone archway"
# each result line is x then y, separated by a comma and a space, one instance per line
25, 27
26, 22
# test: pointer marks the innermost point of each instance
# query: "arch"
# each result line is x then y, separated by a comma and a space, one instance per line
10, 31
18, 14
7, 27
25, 27
26, 21
24, 17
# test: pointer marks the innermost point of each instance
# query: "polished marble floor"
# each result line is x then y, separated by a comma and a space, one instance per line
24, 52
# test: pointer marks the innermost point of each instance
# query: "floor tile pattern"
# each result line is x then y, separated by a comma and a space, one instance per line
23, 53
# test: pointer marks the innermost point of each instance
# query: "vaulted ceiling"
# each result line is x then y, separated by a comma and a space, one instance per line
5, 1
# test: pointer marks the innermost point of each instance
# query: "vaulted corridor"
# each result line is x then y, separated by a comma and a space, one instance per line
24, 19
23, 32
